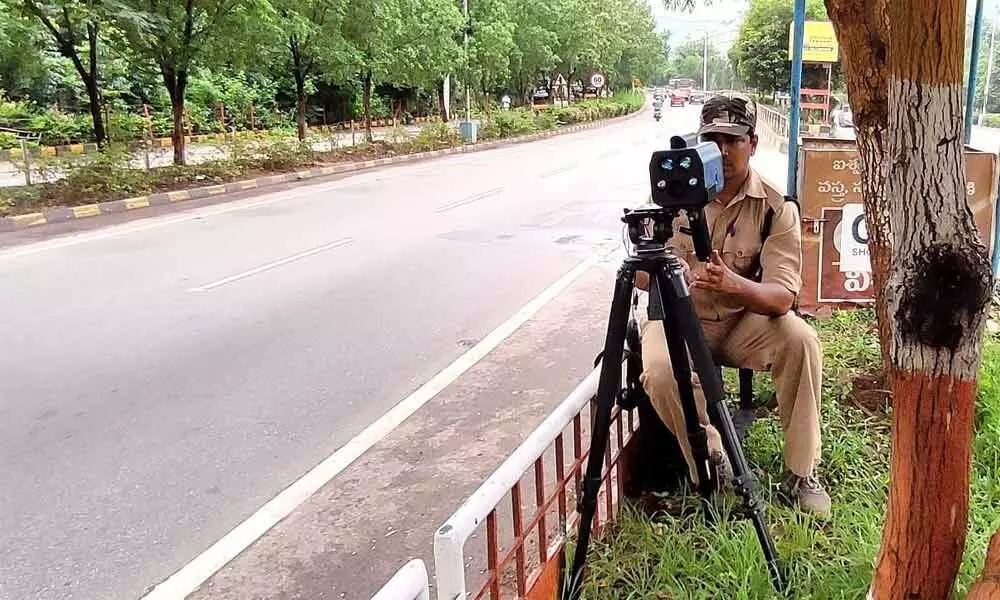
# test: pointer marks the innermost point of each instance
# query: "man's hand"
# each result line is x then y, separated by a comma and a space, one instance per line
771, 299
717, 277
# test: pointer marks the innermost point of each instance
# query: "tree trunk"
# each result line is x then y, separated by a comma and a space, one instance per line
937, 291
862, 30
66, 42
300, 87
177, 136
300, 96
366, 98
175, 81
930, 271
94, 89
441, 105
94, 98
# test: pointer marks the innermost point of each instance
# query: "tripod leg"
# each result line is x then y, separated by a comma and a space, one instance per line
676, 348
607, 389
744, 482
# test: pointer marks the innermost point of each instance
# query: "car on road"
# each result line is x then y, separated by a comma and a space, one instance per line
698, 97
676, 100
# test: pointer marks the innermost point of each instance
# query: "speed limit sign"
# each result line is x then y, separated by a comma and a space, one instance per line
597, 80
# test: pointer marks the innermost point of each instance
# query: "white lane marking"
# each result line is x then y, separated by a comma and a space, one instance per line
190, 577
468, 200
283, 261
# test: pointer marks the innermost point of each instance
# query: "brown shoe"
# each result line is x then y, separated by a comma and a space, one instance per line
806, 493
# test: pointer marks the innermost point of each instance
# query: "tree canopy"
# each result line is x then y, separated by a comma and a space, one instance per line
760, 53
308, 61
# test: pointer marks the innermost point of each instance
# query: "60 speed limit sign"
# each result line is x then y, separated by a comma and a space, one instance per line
597, 80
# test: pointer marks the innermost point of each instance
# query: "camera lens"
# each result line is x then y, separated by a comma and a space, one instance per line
668, 164
686, 162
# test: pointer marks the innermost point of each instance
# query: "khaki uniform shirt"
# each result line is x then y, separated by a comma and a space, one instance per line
735, 231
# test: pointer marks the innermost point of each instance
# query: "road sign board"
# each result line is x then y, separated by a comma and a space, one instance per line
597, 80
854, 239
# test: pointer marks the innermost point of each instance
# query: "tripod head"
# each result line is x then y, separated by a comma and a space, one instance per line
687, 177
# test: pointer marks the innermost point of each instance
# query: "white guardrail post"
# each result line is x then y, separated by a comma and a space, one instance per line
409, 583
449, 541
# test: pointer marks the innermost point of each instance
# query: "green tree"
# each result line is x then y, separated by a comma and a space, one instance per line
311, 33
176, 35
24, 62
402, 42
74, 26
535, 44
643, 54
490, 47
760, 53
576, 26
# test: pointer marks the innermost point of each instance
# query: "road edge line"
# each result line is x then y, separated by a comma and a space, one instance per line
192, 575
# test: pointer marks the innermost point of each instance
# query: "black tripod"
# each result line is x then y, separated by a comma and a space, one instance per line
670, 302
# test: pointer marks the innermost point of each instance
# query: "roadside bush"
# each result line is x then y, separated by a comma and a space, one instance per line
18, 199
275, 153
435, 136
992, 120
124, 126
513, 122
545, 120
15, 115
8, 140
398, 136
566, 115
104, 175
59, 129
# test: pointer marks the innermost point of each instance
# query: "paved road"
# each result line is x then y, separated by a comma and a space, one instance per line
164, 378
11, 174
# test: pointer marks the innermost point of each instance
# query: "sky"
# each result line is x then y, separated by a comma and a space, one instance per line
721, 20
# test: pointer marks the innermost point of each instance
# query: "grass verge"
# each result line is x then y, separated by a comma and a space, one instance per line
669, 557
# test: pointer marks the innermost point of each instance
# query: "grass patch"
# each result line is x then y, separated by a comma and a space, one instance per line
671, 557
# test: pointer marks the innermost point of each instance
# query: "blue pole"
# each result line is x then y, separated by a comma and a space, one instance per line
996, 238
970, 92
798, 23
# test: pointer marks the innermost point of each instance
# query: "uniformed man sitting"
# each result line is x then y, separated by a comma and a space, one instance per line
744, 298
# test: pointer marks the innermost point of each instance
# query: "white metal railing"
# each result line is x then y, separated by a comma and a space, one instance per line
409, 583
775, 122
450, 539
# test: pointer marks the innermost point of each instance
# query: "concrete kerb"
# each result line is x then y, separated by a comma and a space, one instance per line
62, 214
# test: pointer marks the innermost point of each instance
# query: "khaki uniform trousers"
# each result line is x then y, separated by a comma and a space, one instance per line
786, 346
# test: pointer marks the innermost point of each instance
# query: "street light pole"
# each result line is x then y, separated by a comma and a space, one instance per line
970, 92
798, 18
989, 68
704, 76
468, 97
